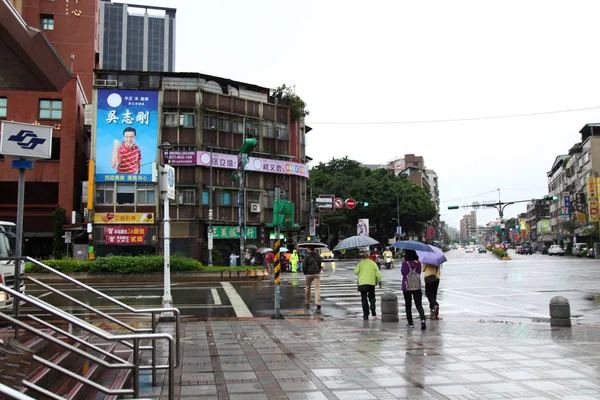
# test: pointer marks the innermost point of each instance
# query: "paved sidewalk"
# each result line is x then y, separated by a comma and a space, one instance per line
310, 358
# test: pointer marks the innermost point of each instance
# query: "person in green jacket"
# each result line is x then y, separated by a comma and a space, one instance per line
294, 260
368, 276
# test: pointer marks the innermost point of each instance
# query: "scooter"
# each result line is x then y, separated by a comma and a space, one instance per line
591, 253
378, 261
389, 262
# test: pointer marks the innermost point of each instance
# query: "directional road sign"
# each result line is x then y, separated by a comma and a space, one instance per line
325, 202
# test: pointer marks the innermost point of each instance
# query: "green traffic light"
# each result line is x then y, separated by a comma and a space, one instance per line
452, 207
366, 204
248, 145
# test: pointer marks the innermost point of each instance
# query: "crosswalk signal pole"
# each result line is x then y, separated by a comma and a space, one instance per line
277, 271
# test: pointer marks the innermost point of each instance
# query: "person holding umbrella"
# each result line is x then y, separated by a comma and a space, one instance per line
432, 275
411, 286
312, 271
368, 276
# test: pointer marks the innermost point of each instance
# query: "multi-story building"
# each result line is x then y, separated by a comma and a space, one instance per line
557, 181
205, 119
137, 38
72, 29
468, 225
538, 217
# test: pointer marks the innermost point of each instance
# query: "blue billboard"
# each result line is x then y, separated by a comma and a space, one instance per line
126, 135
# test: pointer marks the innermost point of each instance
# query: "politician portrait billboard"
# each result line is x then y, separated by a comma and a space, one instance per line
126, 135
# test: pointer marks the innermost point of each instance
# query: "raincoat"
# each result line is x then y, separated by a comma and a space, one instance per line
294, 261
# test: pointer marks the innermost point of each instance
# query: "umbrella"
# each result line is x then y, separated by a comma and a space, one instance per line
264, 250
251, 246
353, 242
283, 250
412, 245
310, 245
435, 257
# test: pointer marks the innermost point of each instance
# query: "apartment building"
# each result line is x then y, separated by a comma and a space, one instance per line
468, 225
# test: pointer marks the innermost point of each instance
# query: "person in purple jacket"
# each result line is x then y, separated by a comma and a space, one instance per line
411, 286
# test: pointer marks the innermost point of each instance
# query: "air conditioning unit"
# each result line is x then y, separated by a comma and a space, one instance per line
255, 207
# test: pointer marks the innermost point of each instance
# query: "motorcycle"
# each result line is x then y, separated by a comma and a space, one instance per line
389, 262
378, 261
591, 253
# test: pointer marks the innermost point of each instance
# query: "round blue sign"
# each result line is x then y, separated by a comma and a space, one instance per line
171, 177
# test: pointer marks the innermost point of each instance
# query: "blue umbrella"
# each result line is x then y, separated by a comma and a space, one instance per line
435, 257
411, 245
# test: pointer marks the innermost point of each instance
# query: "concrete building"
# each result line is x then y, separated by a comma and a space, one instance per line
205, 119
538, 217
137, 38
468, 226
72, 30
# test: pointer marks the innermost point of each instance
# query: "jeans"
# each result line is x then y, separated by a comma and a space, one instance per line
431, 290
370, 294
418, 296
309, 280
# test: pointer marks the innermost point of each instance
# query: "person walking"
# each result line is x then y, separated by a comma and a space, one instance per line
432, 275
368, 276
233, 260
294, 261
411, 286
270, 261
312, 271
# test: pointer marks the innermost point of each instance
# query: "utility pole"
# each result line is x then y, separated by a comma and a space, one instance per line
241, 200
210, 212
277, 270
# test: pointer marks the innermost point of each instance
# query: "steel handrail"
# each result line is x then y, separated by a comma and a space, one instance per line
99, 332
14, 394
153, 311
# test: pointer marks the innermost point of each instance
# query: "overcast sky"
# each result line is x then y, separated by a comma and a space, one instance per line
361, 65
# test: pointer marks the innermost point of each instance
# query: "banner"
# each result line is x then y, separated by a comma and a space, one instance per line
125, 234
126, 135
230, 161
232, 232
123, 218
362, 228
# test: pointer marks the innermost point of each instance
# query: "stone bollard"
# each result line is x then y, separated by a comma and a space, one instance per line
560, 312
389, 307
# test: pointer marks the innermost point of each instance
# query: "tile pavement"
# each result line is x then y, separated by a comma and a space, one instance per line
308, 358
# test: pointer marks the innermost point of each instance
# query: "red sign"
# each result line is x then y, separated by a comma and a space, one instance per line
350, 203
338, 203
125, 234
124, 239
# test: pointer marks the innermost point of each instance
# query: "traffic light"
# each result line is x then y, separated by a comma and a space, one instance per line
553, 198
366, 203
248, 145
452, 207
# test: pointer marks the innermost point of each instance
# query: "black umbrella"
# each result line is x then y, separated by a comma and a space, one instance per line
311, 245
412, 245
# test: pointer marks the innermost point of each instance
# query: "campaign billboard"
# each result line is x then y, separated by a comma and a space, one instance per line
126, 135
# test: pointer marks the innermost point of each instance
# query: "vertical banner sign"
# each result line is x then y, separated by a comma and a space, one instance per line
126, 135
362, 228
593, 200
277, 261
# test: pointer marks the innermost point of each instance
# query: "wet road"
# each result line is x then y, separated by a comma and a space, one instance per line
473, 286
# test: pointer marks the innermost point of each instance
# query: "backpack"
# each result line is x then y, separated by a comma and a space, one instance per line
413, 280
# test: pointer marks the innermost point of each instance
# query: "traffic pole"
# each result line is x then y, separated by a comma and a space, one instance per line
277, 272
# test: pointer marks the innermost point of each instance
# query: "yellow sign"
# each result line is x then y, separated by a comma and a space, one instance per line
581, 217
124, 218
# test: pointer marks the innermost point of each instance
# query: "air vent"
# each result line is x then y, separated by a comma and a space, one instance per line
255, 207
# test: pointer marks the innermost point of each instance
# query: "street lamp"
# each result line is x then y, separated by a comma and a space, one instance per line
167, 181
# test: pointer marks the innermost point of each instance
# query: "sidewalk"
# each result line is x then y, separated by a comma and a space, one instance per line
309, 358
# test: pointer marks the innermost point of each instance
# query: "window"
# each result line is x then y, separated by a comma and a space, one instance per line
105, 193
170, 119
281, 131
146, 194
209, 123
237, 127
55, 155
224, 198
186, 120
50, 109
586, 155
187, 196
205, 198
47, 22
125, 194
3, 105
268, 129
224, 125
252, 129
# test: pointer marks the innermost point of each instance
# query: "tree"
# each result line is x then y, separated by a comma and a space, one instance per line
286, 96
59, 219
382, 190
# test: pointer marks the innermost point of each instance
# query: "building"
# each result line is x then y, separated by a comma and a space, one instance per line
72, 30
137, 38
557, 181
468, 226
205, 118
538, 219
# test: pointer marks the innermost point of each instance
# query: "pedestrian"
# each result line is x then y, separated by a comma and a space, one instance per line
247, 257
294, 261
411, 286
368, 276
312, 271
432, 274
270, 261
233, 260
301, 259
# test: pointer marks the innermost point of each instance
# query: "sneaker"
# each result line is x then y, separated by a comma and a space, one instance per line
423, 325
411, 326
431, 314
365, 317
373, 313
318, 307
437, 311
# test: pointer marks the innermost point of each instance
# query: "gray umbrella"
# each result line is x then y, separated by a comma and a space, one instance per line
310, 245
354, 242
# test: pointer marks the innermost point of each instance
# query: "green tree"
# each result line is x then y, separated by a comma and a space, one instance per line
286, 96
59, 219
382, 190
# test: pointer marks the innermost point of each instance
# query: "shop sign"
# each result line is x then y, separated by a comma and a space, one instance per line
124, 218
232, 232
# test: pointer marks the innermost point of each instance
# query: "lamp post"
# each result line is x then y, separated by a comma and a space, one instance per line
167, 185
210, 213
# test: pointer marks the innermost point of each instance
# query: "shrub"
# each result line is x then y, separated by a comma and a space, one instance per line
498, 252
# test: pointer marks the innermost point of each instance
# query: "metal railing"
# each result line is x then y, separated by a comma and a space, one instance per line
136, 338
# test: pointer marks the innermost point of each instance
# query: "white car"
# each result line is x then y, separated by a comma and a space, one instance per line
556, 250
469, 250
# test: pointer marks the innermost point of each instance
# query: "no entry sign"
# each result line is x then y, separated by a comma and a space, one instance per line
350, 203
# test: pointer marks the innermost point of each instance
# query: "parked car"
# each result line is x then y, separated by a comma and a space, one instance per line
555, 249
579, 249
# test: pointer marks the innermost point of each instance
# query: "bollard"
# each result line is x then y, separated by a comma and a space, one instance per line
560, 311
389, 307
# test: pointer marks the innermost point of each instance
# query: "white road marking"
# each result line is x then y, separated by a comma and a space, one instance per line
216, 297
240, 308
496, 305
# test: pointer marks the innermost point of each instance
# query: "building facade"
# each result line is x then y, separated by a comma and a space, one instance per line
205, 119
137, 38
468, 225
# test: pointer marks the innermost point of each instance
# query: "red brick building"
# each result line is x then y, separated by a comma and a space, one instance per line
72, 27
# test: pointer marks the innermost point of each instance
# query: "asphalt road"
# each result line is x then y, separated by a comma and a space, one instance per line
473, 286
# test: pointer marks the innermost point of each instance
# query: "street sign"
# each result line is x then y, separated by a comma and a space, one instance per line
350, 203
25, 141
167, 182
338, 203
317, 220
325, 202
